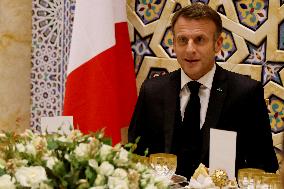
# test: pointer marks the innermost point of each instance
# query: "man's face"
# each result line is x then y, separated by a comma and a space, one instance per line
195, 46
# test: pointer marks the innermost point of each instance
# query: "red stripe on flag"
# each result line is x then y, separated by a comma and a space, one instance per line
102, 92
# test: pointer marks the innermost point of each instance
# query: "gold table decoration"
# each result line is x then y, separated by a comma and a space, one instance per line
220, 178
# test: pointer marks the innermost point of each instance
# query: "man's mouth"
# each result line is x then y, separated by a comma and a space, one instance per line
191, 61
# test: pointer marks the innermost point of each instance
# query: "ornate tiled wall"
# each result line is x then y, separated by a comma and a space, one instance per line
52, 27
253, 45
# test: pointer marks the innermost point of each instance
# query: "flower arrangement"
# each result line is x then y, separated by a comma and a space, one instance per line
46, 161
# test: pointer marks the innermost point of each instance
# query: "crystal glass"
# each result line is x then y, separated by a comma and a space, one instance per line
141, 159
164, 164
271, 180
249, 177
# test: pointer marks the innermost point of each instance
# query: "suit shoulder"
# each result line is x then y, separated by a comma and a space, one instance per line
244, 80
159, 81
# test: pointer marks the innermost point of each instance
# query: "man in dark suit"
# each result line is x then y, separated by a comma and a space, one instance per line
224, 100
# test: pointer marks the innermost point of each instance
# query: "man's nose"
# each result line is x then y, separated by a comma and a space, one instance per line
190, 48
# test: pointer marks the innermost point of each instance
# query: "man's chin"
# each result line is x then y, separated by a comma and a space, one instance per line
193, 75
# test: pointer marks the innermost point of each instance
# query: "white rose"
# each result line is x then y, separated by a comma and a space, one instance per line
120, 173
30, 176
91, 139
147, 179
151, 186
45, 186
48, 153
67, 157
117, 146
100, 135
117, 183
6, 182
162, 181
22, 162
82, 181
140, 167
105, 151
2, 163
100, 180
106, 168
93, 163
147, 175
98, 187
50, 162
39, 141
82, 150
64, 139
74, 134
122, 156
30, 149
20, 147
27, 133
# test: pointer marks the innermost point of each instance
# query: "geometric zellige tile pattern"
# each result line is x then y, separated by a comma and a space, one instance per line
51, 36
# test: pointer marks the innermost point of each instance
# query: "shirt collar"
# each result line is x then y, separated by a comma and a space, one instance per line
205, 80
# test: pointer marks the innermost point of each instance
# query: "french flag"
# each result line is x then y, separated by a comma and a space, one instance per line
101, 86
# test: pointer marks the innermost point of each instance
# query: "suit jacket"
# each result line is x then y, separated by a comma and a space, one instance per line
236, 104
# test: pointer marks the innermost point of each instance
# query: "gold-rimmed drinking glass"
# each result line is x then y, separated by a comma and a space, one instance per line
140, 159
163, 164
249, 176
271, 180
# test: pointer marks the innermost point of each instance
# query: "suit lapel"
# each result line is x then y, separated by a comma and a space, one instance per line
170, 101
217, 97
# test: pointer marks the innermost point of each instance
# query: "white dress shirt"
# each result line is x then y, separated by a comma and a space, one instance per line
204, 93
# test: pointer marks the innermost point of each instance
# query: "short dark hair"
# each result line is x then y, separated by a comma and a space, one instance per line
198, 11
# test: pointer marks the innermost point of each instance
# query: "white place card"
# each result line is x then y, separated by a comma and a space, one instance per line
57, 124
222, 154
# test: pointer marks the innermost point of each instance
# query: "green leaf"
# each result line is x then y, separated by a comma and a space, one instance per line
137, 140
2, 172
128, 145
107, 141
51, 144
72, 177
59, 169
132, 146
146, 152
90, 174
64, 183
100, 134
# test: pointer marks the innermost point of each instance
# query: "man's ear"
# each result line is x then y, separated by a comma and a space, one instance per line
218, 44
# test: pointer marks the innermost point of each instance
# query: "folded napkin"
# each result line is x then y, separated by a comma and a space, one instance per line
202, 182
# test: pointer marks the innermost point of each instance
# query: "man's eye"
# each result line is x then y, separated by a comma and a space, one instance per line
182, 40
200, 39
